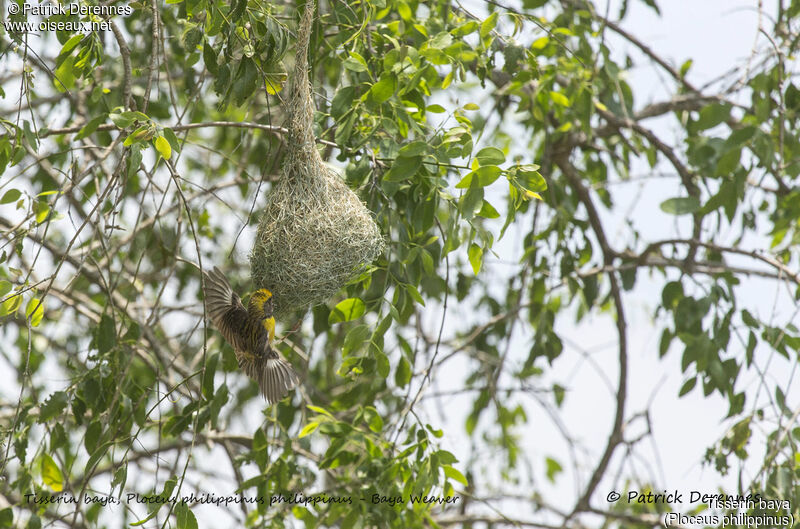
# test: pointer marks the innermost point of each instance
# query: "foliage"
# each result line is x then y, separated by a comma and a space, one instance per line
139, 153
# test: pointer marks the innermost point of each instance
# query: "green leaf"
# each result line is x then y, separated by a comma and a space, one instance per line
475, 254
792, 96
191, 38
741, 136
347, 310
687, 386
530, 178
142, 133
403, 168
163, 147
355, 339
5, 288
245, 81
487, 211
559, 98
488, 25
481, 177
6, 517
540, 43
427, 261
122, 120
402, 375
209, 57
12, 195
308, 429
237, 9
184, 517
53, 406
454, 474
134, 160
342, 102
319, 410
441, 41
120, 478
382, 363
490, 156
35, 310
355, 63
374, 420
728, 162
685, 67
559, 392
383, 89
435, 109
415, 148
51, 474
414, 293
208, 375
471, 202
30, 136
259, 446
90, 127
145, 520
11, 305
712, 115
443, 456
173, 140
749, 320
511, 214
42, 210
404, 11
553, 469
680, 205
672, 294
106, 334
68, 47
447, 80
92, 437
64, 78
465, 29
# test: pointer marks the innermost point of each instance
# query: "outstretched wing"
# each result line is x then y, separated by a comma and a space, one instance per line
226, 309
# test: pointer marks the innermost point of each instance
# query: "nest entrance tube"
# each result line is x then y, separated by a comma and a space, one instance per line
314, 234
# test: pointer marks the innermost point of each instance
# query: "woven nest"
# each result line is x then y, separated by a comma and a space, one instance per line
314, 234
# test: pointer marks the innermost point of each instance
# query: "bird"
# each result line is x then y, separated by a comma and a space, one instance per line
251, 332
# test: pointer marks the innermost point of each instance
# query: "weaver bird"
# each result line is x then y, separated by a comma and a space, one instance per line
250, 331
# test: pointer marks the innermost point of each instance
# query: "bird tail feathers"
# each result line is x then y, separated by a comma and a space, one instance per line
274, 375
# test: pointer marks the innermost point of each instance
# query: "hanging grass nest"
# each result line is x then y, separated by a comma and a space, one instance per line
314, 234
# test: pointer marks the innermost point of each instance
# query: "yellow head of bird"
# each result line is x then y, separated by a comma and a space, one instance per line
261, 303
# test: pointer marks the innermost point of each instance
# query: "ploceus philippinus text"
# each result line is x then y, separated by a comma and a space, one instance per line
251, 332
